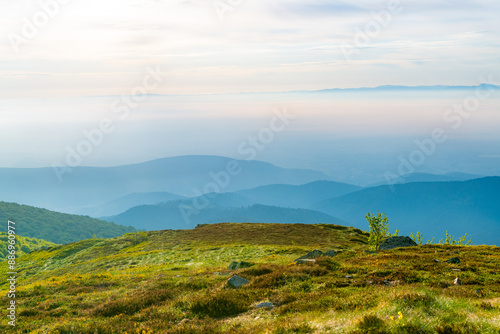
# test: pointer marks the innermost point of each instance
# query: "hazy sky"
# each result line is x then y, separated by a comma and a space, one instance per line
103, 47
55, 54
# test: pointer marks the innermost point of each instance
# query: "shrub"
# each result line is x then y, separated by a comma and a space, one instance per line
418, 238
413, 300
133, 303
259, 271
221, 304
457, 328
294, 329
379, 225
371, 324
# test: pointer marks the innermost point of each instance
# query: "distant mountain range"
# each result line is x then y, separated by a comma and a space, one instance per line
278, 203
297, 196
330, 90
429, 207
187, 176
178, 215
181, 192
124, 203
427, 177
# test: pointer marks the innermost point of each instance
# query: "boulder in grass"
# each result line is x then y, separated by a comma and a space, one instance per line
303, 261
239, 265
310, 255
395, 242
265, 305
330, 253
236, 281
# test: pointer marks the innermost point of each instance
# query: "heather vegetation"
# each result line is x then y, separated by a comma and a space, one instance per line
176, 282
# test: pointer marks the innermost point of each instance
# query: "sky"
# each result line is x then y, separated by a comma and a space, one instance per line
209, 46
68, 65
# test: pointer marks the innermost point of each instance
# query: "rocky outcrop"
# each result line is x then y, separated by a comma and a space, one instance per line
395, 242
309, 257
302, 261
265, 305
236, 281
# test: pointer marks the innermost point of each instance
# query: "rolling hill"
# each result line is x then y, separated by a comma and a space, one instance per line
188, 176
24, 245
59, 228
428, 177
297, 196
124, 203
429, 207
177, 282
182, 215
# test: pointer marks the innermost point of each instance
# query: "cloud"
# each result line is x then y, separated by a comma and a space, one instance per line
432, 39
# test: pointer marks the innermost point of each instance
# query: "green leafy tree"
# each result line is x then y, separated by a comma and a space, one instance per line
379, 225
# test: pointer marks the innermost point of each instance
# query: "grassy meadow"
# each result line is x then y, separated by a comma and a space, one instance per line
175, 282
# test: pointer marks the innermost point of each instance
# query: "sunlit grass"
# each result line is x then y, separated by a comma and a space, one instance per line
175, 282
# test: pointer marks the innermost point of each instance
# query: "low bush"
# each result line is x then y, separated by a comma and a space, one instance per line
221, 304
133, 303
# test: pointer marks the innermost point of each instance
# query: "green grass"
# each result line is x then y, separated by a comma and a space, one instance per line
175, 282
24, 245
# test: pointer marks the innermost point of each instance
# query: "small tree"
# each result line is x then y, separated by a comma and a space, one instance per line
419, 238
379, 225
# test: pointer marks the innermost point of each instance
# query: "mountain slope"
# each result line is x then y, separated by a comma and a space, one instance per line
57, 227
24, 245
186, 175
430, 207
182, 215
297, 196
427, 177
177, 282
124, 203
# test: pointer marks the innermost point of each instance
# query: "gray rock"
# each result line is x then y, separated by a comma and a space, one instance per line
348, 276
457, 281
239, 265
311, 255
236, 281
303, 261
456, 269
454, 260
330, 253
395, 242
436, 260
314, 254
265, 305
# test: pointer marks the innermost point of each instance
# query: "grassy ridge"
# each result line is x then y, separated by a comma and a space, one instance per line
174, 282
24, 245
57, 227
